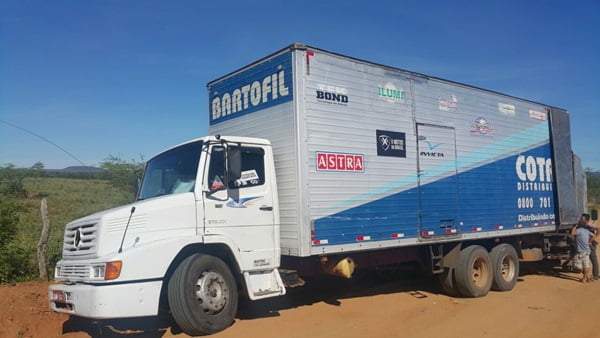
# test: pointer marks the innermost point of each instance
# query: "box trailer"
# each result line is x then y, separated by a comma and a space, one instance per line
322, 163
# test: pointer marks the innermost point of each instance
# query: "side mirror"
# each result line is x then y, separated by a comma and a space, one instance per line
234, 164
137, 184
594, 214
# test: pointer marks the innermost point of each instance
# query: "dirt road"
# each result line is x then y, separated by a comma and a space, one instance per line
545, 303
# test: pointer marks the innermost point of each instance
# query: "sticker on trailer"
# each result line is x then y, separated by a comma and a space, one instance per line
265, 85
340, 162
448, 104
391, 143
538, 115
507, 109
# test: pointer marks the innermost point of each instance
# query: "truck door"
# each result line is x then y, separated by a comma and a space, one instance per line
241, 211
438, 182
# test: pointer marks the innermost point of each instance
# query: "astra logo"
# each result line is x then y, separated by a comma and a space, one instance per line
251, 95
332, 94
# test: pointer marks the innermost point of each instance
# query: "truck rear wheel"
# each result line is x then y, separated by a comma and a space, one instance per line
474, 272
505, 265
203, 295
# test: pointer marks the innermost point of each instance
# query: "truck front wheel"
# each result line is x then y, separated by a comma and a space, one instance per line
203, 295
474, 272
505, 263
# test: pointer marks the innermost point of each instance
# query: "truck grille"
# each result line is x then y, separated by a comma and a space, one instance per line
80, 239
73, 272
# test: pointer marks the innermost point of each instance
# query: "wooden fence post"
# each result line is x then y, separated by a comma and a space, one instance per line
42, 247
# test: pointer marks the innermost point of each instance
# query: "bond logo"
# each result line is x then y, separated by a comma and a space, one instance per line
332, 94
340, 162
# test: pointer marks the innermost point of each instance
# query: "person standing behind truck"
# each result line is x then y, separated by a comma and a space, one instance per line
583, 236
593, 243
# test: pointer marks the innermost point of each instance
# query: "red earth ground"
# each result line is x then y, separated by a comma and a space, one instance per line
544, 303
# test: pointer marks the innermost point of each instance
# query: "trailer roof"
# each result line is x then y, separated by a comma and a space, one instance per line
301, 46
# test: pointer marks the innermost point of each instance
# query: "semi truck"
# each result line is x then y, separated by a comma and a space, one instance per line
322, 163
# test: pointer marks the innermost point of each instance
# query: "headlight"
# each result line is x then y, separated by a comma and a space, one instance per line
107, 271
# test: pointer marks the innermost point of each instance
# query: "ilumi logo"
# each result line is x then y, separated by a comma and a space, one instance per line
390, 93
332, 95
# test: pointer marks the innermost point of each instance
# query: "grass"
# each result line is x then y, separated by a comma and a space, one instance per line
67, 199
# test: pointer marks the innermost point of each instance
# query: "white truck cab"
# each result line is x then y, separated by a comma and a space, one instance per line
206, 215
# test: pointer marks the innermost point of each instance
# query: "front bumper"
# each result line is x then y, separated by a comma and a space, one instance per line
99, 301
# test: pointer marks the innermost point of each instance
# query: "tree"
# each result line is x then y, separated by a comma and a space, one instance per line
121, 173
37, 166
12, 257
11, 183
593, 186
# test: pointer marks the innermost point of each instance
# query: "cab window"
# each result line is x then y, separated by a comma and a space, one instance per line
253, 169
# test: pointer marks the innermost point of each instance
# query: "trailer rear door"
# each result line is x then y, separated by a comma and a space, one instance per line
438, 182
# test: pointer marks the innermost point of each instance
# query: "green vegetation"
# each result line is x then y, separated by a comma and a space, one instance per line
71, 196
68, 197
593, 186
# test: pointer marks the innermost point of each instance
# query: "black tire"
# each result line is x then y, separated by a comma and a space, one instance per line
505, 267
448, 282
203, 295
474, 272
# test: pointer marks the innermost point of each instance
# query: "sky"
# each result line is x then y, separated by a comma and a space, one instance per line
83, 80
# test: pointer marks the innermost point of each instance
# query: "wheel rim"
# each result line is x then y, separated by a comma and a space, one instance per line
480, 272
507, 269
211, 292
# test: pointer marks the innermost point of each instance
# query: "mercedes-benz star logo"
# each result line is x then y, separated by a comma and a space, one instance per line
77, 241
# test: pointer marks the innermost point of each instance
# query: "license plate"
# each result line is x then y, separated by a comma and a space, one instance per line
58, 296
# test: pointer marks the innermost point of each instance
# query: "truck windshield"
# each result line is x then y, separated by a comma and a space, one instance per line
172, 172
